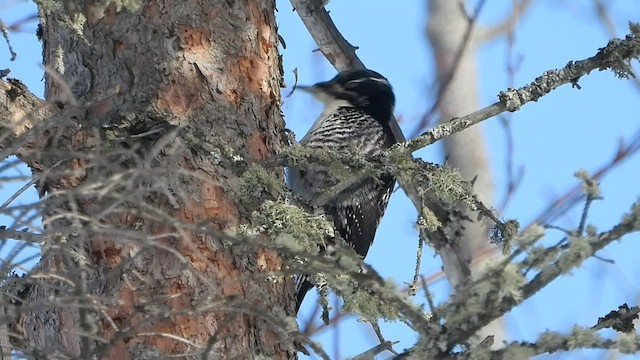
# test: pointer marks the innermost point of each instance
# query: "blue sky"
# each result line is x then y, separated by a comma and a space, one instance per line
565, 131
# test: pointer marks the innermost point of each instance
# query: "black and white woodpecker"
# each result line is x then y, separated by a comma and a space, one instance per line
358, 107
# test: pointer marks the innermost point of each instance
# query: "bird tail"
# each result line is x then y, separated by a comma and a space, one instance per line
303, 285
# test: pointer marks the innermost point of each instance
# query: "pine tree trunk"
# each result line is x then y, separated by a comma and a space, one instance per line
160, 109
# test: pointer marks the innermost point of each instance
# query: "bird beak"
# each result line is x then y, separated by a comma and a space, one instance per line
308, 88
316, 89
319, 91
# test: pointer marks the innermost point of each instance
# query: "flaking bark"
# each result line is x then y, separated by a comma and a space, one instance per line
139, 92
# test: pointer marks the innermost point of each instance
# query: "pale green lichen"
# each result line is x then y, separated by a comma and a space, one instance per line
621, 52
404, 166
47, 6
347, 260
589, 185
131, 5
633, 218
292, 227
581, 174
511, 283
579, 338
530, 236
459, 316
539, 256
343, 166
446, 184
297, 155
290, 324
58, 60
428, 221
370, 307
257, 184
289, 241
515, 351
629, 343
504, 282
246, 230
480, 353
579, 250
550, 340
496, 284
582, 338
77, 24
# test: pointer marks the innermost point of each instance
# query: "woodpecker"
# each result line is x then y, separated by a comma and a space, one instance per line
358, 108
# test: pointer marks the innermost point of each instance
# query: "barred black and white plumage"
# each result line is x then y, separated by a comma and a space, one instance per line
358, 107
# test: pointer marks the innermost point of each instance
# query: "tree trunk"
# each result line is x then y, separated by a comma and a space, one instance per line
160, 109
446, 29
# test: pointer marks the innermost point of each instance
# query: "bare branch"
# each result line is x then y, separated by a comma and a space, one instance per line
371, 353
486, 34
467, 40
20, 235
5, 34
616, 56
331, 43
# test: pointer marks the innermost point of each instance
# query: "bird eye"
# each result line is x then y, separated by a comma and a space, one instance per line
351, 84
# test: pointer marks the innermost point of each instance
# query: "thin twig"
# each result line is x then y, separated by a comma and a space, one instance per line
413, 286
448, 77
376, 328
5, 34
506, 25
585, 213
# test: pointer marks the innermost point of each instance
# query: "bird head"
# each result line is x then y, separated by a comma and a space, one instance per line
364, 89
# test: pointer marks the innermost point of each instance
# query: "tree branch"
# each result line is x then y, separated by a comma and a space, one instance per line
331, 43
629, 224
551, 342
342, 56
20, 111
616, 56
486, 34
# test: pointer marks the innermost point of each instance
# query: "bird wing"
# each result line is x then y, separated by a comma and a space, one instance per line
357, 209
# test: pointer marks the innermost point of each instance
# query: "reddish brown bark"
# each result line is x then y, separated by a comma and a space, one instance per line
144, 96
